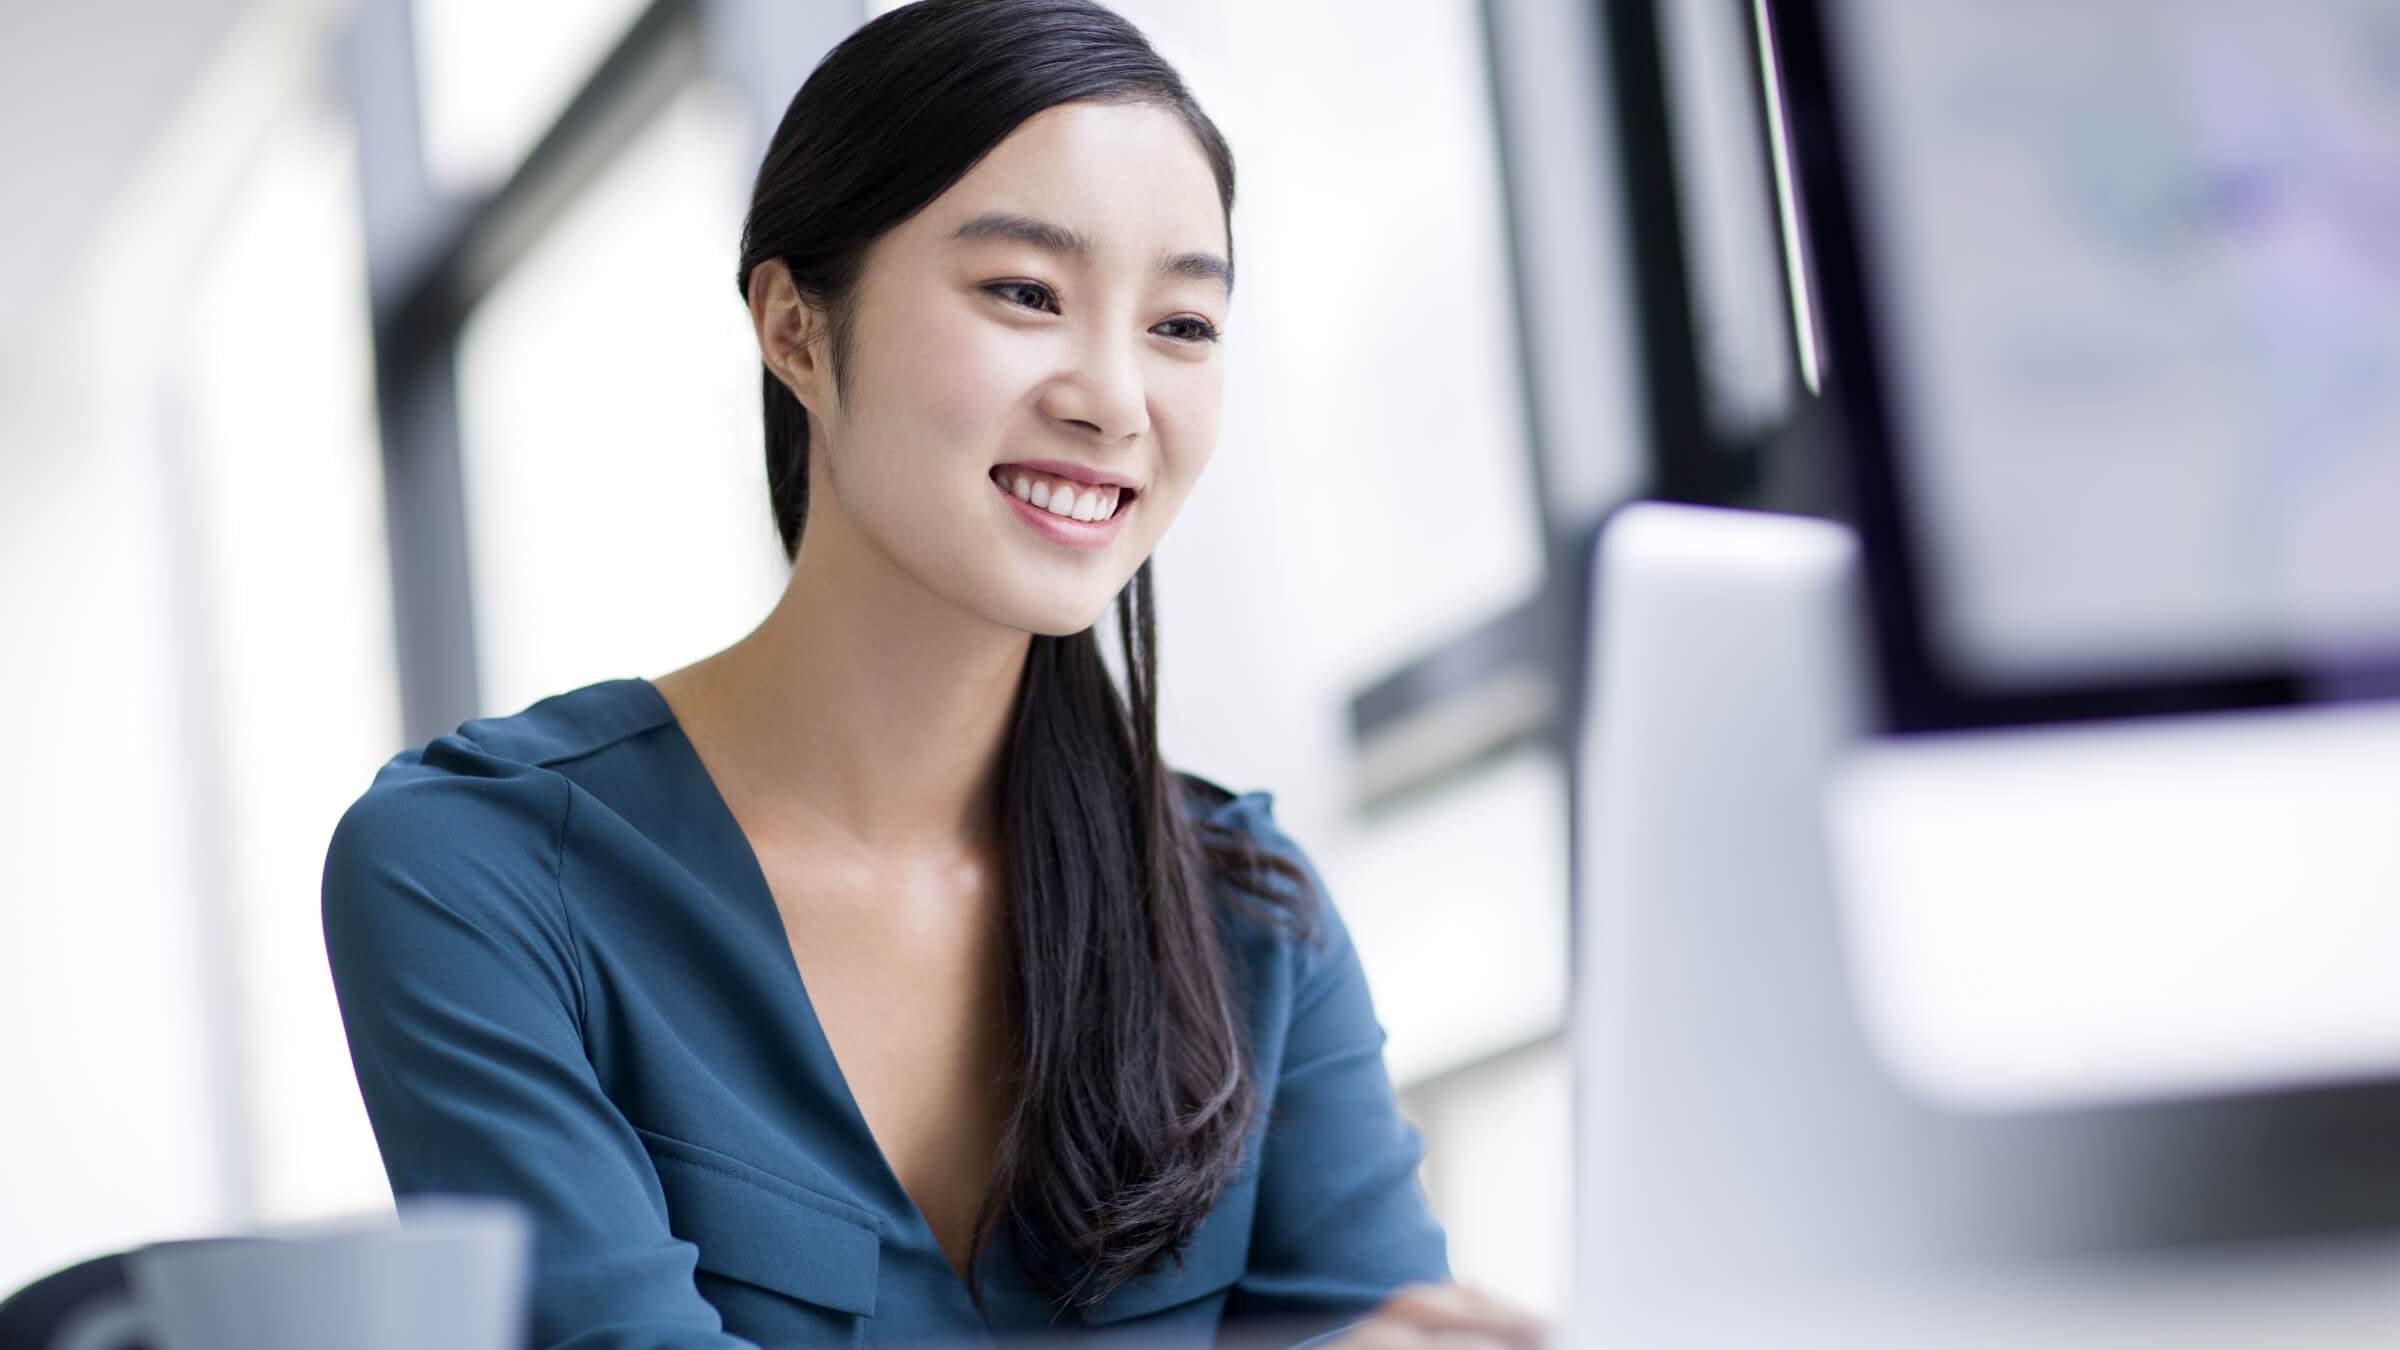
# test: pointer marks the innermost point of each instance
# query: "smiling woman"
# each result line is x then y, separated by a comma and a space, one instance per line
877, 977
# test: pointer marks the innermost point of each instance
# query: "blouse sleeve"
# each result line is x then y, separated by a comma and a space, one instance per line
1342, 1218
461, 994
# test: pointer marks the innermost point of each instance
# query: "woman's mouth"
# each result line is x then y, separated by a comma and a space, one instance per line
1066, 498
1063, 510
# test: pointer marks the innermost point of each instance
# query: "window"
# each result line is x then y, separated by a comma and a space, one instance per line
608, 399
286, 496
492, 76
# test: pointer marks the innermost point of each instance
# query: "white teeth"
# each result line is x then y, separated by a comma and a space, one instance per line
1089, 504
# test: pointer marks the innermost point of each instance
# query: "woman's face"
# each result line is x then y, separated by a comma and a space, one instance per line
1057, 305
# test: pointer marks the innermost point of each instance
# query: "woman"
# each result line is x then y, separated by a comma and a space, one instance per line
874, 978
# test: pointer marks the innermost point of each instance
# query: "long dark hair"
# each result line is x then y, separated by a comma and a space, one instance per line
1133, 1090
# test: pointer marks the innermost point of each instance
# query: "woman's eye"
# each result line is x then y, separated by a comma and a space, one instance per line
1199, 330
1034, 295
1009, 290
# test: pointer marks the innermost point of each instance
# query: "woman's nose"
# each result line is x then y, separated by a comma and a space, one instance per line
1107, 392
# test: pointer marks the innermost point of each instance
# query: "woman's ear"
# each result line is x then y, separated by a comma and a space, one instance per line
789, 332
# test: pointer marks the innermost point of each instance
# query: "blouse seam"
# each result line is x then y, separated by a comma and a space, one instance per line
817, 1201
566, 914
587, 751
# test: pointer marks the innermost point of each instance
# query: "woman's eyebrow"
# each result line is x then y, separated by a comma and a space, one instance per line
1051, 237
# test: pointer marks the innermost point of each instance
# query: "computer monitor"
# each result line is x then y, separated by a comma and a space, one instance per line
2110, 293
1989, 911
1764, 1154
2112, 298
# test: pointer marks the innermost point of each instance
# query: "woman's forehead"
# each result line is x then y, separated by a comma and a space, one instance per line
1092, 183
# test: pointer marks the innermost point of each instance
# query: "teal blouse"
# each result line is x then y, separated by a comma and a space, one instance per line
564, 980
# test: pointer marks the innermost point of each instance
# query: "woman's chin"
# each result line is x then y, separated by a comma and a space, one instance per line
1052, 619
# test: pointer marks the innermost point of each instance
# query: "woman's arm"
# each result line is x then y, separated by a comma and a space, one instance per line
462, 997
1342, 1221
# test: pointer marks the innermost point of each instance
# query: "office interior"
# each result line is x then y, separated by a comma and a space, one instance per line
353, 350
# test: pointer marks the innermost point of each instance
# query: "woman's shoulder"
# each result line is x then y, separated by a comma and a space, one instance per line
1298, 919
1249, 813
442, 896
491, 794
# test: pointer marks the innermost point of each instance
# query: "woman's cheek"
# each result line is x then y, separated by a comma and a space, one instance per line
1186, 421
967, 382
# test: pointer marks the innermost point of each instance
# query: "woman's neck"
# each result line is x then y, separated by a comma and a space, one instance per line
863, 708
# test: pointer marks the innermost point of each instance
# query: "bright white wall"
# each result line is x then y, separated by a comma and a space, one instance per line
299, 694
111, 1127
192, 588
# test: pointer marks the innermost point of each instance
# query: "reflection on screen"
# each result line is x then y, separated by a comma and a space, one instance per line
2139, 269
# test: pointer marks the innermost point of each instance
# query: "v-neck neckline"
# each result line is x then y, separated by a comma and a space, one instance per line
760, 895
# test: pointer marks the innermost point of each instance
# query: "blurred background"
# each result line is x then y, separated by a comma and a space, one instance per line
352, 351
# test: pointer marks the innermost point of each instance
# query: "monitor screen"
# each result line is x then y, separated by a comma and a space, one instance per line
2135, 284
